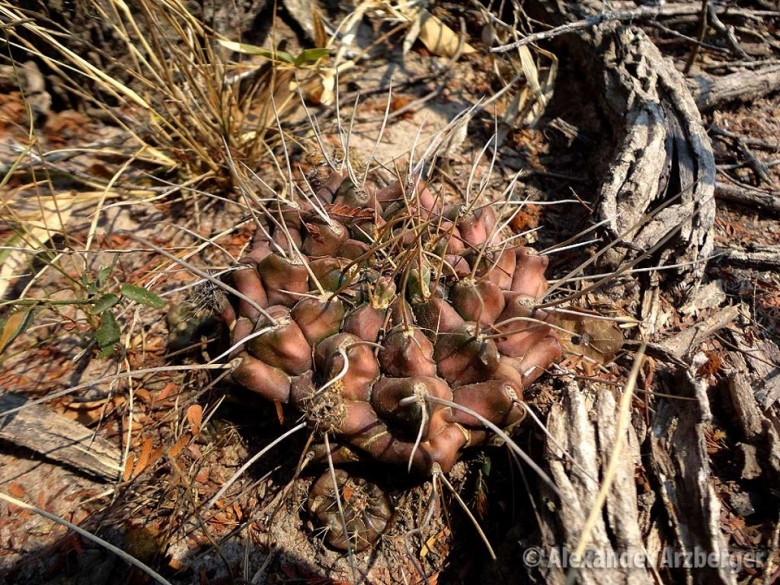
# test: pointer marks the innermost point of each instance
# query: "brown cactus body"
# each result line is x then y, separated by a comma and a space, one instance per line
366, 518
318, 318
263, 379
407, 352
282, 279
392, 304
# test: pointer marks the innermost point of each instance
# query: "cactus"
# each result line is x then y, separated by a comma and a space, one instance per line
368, 515
369, 300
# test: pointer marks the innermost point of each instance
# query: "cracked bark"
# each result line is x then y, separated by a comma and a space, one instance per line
657, 198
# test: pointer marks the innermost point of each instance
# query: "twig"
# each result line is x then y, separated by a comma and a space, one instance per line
755, 142
591, 21
733, 167
761, 170
697, 43
759, 167
728, 31
738, 64
687, 8
702, 33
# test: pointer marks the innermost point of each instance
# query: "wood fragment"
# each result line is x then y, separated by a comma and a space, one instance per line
709, 296
680, 463
771, 391
760, 258
689, 339
763, 357
710, 91
743, 399
657, 194
588, 435
751, 469
746, 196
58, 438
658, 191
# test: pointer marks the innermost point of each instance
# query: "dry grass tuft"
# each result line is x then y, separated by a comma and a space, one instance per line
176, 92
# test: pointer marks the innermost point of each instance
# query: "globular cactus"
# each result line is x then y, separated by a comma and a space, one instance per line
366, 517
372, 305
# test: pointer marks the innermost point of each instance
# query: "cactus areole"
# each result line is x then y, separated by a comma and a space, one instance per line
373, 305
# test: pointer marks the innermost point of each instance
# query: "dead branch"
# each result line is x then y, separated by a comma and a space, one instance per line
747, 196
688, 340
43, 431
710, 91
591, 21
642, 14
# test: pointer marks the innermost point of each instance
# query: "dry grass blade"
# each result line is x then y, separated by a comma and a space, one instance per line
121, 375
468, 513
248, 464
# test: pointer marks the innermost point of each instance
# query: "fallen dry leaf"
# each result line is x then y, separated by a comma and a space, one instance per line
585, 334
195, 418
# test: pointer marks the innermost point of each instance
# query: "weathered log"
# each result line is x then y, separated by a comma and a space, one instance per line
657, 195
589, 441
747, 196
657, 198
761, 258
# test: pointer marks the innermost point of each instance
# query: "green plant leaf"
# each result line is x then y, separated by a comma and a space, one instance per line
255, 50
104, 303
13, 326
486, 466
107, 334
107, 352
103, 275
141, 295
310, 56
88, 285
